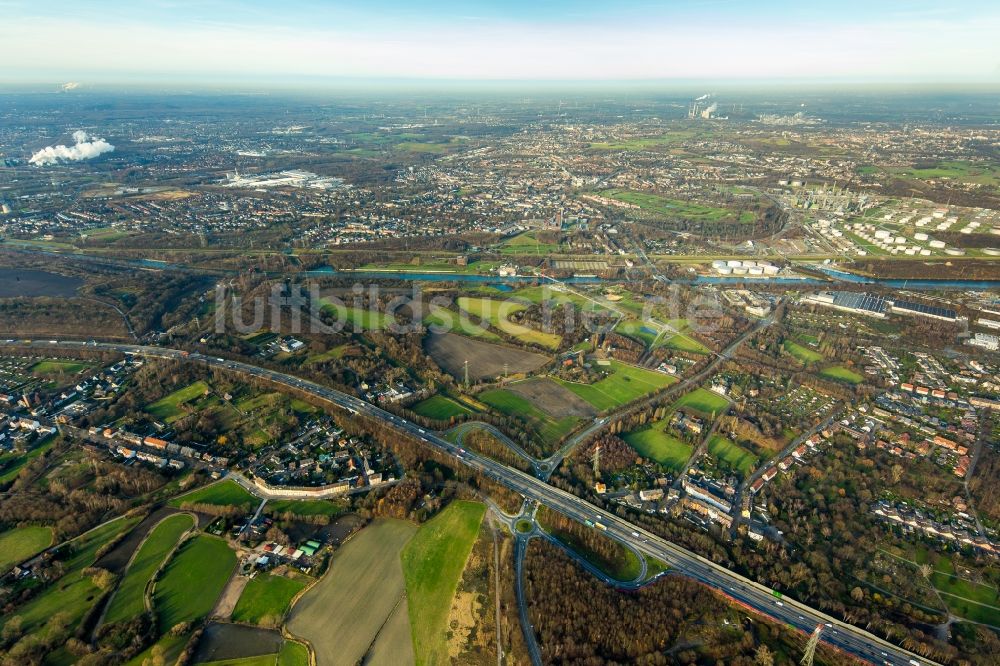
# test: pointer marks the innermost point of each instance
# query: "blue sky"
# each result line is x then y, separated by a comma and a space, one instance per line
848, 40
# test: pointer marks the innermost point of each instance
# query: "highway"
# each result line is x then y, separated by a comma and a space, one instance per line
845, 637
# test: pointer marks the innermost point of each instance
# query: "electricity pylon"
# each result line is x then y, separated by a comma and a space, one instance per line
807, 658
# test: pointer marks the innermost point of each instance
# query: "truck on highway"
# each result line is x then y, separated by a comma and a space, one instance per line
602, 527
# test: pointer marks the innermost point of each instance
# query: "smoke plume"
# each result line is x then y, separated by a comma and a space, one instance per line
85, 148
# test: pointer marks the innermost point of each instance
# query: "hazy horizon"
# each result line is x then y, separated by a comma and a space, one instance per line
556, 41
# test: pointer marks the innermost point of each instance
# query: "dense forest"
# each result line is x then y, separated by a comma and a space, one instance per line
580, 620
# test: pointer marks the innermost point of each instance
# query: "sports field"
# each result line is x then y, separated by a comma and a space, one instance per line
841, 374
20, 543
623, 384
704, 402
733, 456
653, 443
433, 562
129, 598
497, 314
803, 354
193, 581
440, 407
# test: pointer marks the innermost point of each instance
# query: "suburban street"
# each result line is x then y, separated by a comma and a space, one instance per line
757, 597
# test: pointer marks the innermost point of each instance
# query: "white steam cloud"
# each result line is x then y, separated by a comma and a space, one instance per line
85, 148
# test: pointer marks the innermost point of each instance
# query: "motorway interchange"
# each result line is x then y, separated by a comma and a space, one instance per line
752, 595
